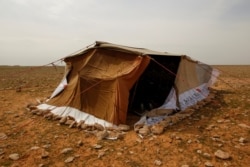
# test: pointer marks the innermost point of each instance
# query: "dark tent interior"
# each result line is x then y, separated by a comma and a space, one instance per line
152, 88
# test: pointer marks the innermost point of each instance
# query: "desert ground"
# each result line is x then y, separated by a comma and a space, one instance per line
28, 140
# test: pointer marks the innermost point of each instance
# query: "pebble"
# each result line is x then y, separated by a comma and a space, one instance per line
3, 136
144, 130
184, 165
79, 124
189, 141
69, 159
47, 146
221, 154
208, 164
14, 156
157, 129
244, 126
157, 162
119, 153
102, 153
199, 151
63, 120
97, 146
79, 143
123, 127
99, 127
242, 140
66, 150
34, 148
210, 127
101, 134
73, 124
69, 122
1, 151
207, 155
45, 154
220, 121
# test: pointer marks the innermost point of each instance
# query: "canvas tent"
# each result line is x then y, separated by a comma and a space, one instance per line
105, 81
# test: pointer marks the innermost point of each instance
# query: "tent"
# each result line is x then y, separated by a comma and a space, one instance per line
104, 81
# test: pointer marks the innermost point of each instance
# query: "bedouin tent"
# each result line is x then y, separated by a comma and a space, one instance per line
102, 82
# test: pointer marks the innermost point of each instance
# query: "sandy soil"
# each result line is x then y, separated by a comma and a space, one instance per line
223, 124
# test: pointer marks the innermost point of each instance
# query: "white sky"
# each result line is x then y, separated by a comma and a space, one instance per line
37, 32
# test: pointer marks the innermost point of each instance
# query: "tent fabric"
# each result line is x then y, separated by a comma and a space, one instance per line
191, 74
98, 80
122, 48
114, 73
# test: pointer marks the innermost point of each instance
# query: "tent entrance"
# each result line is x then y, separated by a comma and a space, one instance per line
154, 85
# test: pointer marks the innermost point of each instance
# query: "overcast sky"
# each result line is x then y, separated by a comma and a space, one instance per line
37, 32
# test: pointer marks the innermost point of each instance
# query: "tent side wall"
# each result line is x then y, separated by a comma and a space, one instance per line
191, 74
192, 82
70, 95
99, 83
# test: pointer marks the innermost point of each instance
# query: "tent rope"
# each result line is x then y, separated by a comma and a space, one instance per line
222, 79
95, 84
171, 72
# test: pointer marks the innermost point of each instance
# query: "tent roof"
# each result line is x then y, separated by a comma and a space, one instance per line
141, 51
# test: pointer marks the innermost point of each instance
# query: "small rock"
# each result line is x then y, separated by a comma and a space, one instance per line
14, 156
97, 146
220, 121
73, 124
77, 156
101, 134
157, 162
189, 141
102, 153
79, 143
208, 164
45, 154
1, 151
69, 159
78, 125
184, 165
63, 120
199, 151
46, 146
222, 155
220, 145
210, 127
244, 126
178, 138
180, 150
242, 140
66, 150
84, 126
144, 130
99, 127
157, 129
207, 155
34, 148
119, 153
3, 136
123, 127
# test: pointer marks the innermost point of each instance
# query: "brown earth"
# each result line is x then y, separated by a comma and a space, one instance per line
223, 124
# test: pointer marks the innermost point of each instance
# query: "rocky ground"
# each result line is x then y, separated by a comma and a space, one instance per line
218, 134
